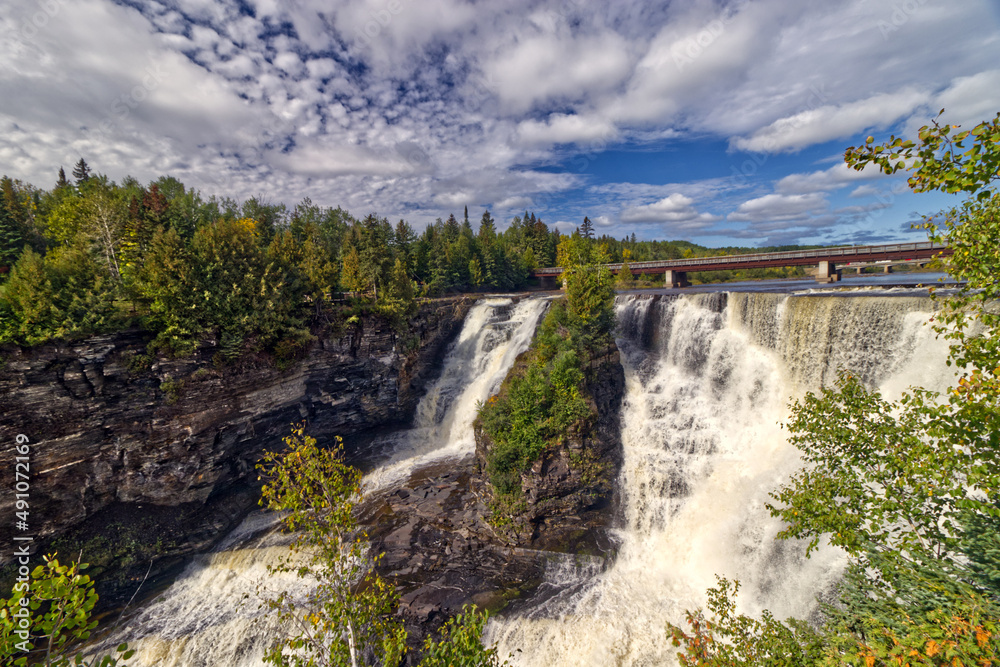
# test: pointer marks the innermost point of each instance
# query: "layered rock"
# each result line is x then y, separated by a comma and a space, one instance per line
440, 552
569, 492
163, 451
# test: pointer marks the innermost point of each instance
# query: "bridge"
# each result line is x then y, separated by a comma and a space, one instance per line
827, 261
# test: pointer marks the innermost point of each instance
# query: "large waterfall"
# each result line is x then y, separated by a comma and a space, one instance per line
709, 378
210, 617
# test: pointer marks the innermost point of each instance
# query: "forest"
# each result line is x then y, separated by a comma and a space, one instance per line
93, 256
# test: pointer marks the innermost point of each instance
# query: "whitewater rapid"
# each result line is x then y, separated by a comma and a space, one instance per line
709, 378
708, 382
210, 616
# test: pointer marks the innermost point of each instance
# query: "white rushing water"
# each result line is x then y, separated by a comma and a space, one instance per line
494, 333
210, 616
709, 378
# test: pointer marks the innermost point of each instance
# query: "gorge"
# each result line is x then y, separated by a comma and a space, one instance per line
707, 382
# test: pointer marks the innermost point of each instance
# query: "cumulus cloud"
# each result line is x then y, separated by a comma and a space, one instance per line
832, 122
968, 101
675, 208
834, 178
779, 208
566, 129
327, 160
551, 67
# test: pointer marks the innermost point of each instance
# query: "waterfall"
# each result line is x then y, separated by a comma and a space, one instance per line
708, 381
209, 617
494, 333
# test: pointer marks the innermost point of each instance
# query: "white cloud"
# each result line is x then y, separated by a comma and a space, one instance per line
968, 101
330, 160
864, 191
834, 178
677, 209
832, 122
514, 203
779, 208
565, 129
549, 67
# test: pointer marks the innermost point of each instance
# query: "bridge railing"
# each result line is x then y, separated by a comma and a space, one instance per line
817, 254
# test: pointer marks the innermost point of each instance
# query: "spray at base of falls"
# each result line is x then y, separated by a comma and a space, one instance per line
709, 378
210, 617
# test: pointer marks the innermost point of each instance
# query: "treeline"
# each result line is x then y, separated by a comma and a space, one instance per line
92, 256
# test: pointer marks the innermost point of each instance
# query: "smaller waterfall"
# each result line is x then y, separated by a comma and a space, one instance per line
210, 616
496, 331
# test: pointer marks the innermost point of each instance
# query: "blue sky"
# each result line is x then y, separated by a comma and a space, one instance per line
718, 122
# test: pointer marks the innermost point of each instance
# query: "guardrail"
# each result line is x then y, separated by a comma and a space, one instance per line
819, 254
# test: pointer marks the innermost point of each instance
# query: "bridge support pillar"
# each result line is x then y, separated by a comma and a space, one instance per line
888, 268
827, 272
673, 278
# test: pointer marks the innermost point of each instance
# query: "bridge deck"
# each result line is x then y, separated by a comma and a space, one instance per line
840, 255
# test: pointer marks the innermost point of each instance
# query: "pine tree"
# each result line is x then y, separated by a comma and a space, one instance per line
587, 228
451, 229
62, 182
487, 229
81, 172
11, 237
475, 272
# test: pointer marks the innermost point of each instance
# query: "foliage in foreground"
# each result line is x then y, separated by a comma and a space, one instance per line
910, 489
48, 615
349, 616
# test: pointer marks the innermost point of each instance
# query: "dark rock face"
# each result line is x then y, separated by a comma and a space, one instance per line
569, 492
440, 552
168, 448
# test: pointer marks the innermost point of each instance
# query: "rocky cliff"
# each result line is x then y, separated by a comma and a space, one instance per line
140, 460
442, 550
569, 492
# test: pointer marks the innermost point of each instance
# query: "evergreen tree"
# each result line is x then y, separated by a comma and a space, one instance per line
625, 279
350, 273
487, 229
475, 272
405, 237
451, 229
11, 237
62, 182
81, 172
587, 228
